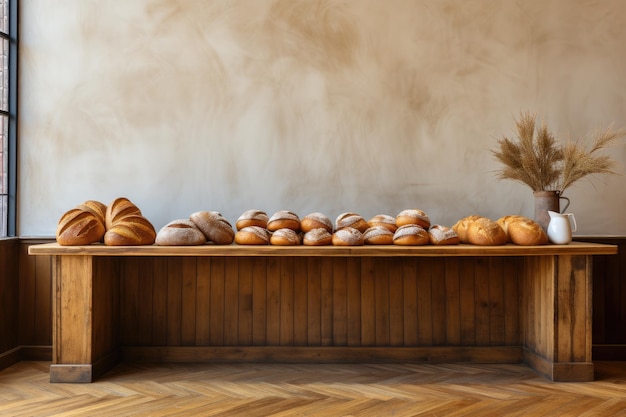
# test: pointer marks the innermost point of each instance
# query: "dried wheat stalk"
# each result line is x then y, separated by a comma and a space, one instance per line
537, 160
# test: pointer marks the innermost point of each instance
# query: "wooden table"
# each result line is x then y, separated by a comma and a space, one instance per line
502, 304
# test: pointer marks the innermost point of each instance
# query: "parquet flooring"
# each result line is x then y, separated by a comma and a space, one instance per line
312, 390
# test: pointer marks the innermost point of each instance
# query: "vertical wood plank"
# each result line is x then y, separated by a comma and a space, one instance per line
300, 302
259, 300
203, 301
381, 296
314, 300
145, 282
245, 301
174, 301
327, 313
368, 303
409, 277
438, 305
43, 301
496, 301
160, 302
26, 302
217, 301
353, 302
396, 302
453, 302
188, 302
340, 317
481, 307
130, 302
286, 301
273, 301
467, 301
231, 301
511, 279
424, 302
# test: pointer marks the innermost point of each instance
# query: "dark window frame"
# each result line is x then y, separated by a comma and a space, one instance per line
11, 115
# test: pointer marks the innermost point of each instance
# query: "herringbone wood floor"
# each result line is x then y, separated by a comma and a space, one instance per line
312, 390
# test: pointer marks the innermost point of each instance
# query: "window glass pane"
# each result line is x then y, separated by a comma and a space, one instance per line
4, 16
4, 198
4, 83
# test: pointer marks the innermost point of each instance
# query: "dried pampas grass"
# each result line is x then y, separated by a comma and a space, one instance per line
536, 159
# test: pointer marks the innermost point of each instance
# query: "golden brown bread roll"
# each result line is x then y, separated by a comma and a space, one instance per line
378, 235
352, 220
285, 237
411, 235
132, 230
348, 236
283, 219
118, 209
317, 237
252, 218
443, 235
413, 216
461, 227
79, 227
384, 220
523, 231
316, 221
181, 232
214, 226
485, 232
96, 207
252, 235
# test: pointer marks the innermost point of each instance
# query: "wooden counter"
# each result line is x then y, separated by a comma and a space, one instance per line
502, 304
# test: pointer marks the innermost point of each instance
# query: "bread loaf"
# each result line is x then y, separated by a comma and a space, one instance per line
411, 235
181, 232
96, 208
413, 216
214, 226
485, 232
283, 219
443, 235
378, 235
347, 236
79, 227
252, 235
523, 231
285, 237
461, 227
132, 230
317, 237
385, 221
352, 220
252, 218
316, 221
118, 209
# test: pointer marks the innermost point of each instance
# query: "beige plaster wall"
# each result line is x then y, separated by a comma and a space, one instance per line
309, 105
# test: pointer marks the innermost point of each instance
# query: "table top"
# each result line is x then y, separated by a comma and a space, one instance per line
574, 248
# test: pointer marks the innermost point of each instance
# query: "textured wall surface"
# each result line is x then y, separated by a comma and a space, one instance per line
310, 105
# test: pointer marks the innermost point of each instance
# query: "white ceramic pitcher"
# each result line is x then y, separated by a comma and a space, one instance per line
561, 227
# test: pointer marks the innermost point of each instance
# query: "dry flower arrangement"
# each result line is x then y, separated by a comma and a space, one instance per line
537, 160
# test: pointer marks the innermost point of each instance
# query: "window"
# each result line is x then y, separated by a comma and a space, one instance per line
8, 123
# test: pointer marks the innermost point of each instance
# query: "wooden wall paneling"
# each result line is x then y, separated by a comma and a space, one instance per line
300, 301
327, 313
130, 302
496, 302
174, 301
353, 308
481, 301
231, 302
511, 291
437, 269
206, 310
381, 297
159, 301
145, 299
425, 316
259, 300
453, 302
9, 299
273, 301
396, 302
340, 328
106, 307
188, 301
27, 290
286, 301
467, 304
600, 278
245, 301
409, 301
314, 301
367, 300
42, 334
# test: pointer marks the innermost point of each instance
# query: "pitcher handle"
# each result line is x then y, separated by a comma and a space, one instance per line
566, 204
573, 222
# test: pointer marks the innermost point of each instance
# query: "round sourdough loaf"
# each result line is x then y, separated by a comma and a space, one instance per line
180, 232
